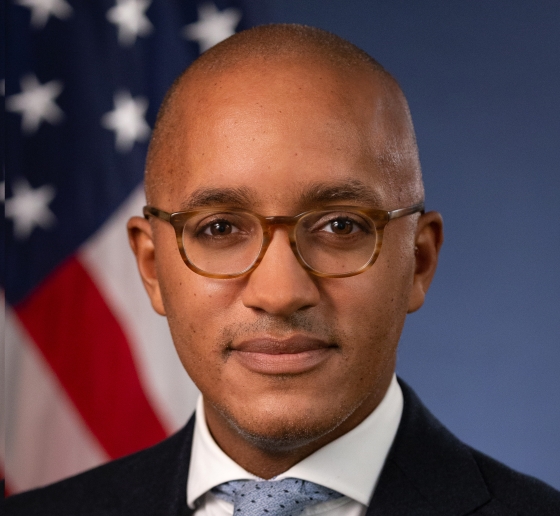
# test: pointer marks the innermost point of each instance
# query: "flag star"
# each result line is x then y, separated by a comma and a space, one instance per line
213, 25
131, 19
36, 103
29, 208
127, 120
41, 10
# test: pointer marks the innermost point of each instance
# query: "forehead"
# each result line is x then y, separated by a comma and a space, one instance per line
275, 131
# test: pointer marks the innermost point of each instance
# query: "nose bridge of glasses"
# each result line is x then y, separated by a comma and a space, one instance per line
281, 220
277, 221
269, 223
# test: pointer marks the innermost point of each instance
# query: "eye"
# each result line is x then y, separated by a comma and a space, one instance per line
219, 228
340, 226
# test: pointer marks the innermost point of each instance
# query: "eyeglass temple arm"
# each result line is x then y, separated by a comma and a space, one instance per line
160, 214
403, 212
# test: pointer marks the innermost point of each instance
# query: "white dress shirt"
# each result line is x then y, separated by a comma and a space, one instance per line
350, 464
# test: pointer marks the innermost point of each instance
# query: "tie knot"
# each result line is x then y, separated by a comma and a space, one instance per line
286, 497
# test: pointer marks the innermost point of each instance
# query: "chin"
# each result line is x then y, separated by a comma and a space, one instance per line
284, 428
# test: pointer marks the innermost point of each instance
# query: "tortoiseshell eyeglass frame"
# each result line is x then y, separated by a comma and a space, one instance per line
380, 219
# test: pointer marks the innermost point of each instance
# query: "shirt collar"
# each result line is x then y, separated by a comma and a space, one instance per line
350, 464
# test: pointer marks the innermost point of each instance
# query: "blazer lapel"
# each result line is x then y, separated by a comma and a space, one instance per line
428, 470
178, 483
154, 482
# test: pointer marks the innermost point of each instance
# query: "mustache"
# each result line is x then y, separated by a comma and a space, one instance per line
281, 327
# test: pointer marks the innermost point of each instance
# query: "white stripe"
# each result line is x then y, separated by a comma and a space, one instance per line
46, 439
110, 262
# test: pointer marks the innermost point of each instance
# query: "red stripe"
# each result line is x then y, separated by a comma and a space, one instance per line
82, 341
7, 490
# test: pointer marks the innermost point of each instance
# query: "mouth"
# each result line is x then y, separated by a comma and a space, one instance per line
295, 355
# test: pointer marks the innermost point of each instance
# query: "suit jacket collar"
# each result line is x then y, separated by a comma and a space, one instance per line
153, 482
428, 471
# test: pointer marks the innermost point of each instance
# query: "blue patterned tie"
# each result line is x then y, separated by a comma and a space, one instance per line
287, 497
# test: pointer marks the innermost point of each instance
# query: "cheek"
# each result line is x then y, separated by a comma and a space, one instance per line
370, 299
371, 308
197, 310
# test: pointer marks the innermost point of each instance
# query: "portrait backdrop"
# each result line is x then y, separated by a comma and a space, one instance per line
91, 373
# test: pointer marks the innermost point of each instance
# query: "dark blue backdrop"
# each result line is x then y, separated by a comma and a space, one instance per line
483, 81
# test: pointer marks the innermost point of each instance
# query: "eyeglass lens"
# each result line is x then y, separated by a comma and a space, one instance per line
335, 242
330, 242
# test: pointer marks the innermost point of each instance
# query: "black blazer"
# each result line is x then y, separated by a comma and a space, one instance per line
428, 472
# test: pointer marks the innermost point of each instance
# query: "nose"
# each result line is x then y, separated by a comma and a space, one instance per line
280, 285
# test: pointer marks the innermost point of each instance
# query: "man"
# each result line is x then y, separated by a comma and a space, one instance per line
285, 240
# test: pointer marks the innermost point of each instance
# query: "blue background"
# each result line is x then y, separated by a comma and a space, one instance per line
483, 82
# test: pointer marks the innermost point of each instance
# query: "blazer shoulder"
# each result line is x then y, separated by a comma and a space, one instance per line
430, 471
521, 493
124, 486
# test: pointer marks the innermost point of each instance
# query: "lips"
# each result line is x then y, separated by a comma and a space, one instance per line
294, 355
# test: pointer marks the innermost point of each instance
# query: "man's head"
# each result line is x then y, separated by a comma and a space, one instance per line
279, 120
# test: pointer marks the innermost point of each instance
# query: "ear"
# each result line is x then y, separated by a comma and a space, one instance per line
429, 238
142, 243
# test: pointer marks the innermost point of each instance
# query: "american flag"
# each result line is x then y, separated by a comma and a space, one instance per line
91, 370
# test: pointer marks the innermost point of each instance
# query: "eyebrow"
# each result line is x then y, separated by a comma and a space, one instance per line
321, 193
315, 194
208, 197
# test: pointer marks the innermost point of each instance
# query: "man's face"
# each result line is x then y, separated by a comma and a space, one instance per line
282, 356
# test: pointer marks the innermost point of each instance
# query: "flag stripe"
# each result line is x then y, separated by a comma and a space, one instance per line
82, 341
8, 491
46, 438
110, 262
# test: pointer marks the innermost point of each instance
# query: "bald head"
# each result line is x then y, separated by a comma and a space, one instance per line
350, 81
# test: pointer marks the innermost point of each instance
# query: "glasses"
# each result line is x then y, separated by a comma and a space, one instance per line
334, 242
